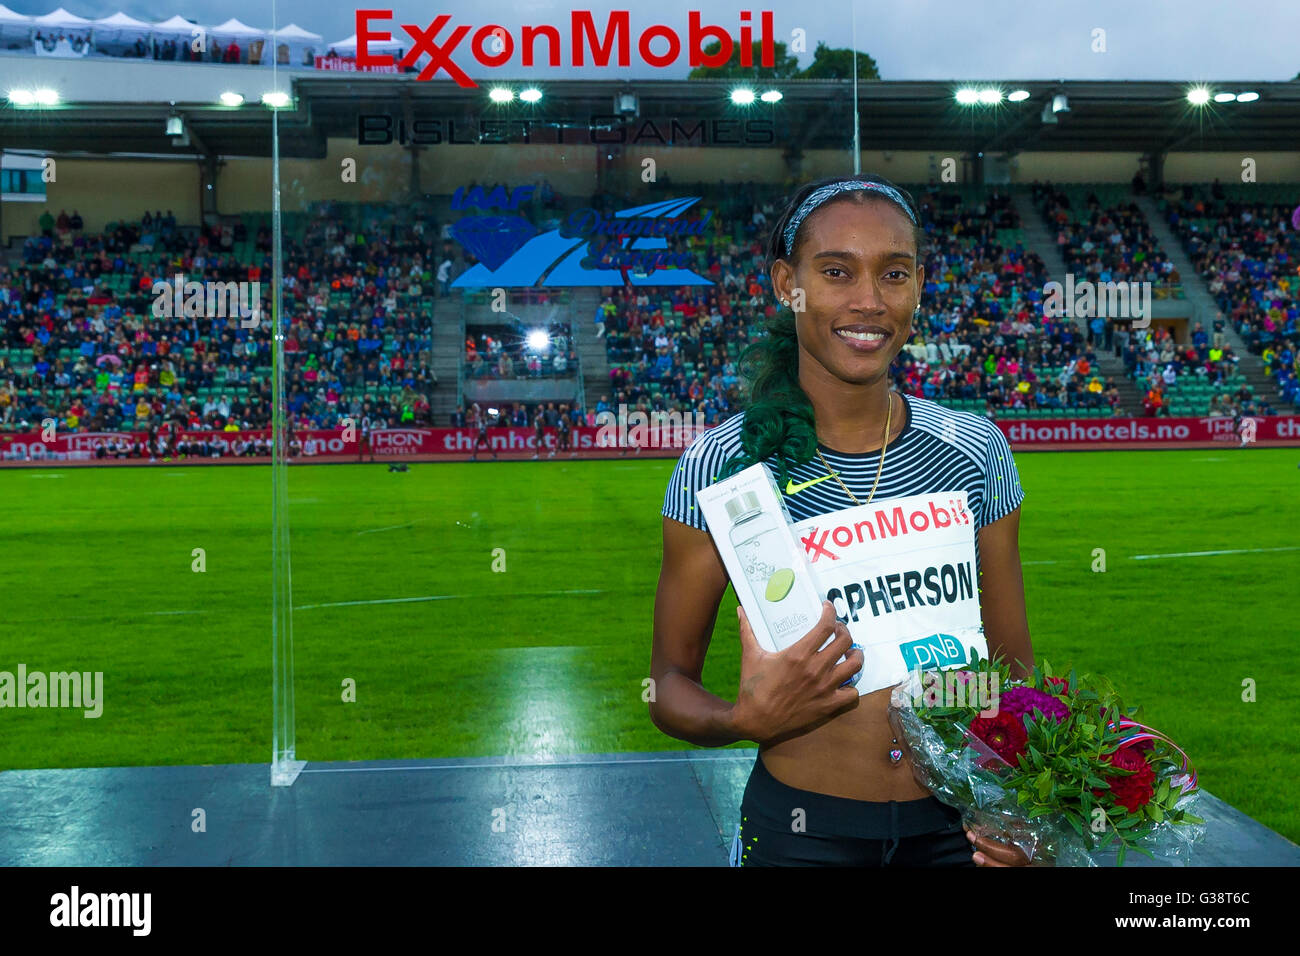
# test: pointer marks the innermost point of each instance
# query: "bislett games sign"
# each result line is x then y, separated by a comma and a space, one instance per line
597, 129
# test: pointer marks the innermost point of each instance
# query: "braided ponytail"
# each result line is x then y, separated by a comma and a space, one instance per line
779, 418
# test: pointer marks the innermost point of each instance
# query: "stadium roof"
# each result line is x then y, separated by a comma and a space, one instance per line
1102, 116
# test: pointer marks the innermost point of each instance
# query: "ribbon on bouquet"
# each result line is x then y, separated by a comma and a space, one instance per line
1184, 781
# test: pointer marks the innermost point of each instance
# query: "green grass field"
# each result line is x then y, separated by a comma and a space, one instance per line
548, 657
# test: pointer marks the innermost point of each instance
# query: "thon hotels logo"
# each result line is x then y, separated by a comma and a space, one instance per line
937, 650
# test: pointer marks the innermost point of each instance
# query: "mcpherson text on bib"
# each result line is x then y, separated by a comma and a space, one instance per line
902, 576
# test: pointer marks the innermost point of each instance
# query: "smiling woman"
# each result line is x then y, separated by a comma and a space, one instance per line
846, 258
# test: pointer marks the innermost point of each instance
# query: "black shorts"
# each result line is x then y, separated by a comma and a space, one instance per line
837, 831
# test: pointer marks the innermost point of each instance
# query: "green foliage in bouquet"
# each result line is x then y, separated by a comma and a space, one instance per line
1066, 746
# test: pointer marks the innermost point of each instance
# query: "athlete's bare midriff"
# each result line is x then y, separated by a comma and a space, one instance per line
847, 756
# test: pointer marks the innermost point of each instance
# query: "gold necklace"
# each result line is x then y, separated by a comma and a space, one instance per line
889, 417
895, 752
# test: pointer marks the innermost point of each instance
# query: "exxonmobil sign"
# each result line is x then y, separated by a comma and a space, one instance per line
887, 524
492, 45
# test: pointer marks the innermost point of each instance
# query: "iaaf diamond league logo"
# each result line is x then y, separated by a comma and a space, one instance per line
589, 249
493, 45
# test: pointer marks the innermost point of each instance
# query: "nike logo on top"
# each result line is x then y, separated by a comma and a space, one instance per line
792, 489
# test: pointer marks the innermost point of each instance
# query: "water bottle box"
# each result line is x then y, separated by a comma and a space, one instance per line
752, 531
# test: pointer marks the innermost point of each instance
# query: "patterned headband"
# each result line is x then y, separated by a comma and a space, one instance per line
820, 196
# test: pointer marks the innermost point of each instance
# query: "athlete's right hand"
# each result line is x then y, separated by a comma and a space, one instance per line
781, 693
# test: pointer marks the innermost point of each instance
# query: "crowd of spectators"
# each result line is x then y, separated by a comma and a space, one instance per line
521, 415
1105, 243
518, 352
166, 442
991, 369
1282, 364
1160, 367
980, 337
101, 358
677, 353
66, 229
82, 342
1248, 253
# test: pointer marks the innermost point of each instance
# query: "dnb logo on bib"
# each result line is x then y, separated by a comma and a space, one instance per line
937, 650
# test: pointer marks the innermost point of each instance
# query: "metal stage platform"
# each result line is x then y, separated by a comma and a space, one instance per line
650, 809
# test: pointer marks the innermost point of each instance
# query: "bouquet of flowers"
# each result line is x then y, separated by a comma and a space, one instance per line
1054, 763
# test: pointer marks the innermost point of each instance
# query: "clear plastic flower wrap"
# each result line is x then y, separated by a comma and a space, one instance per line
1049, 764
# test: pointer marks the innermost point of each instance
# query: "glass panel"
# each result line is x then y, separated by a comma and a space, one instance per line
458, 588
130, 348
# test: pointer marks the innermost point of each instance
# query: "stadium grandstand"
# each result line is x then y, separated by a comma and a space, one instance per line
374, 304
82, 345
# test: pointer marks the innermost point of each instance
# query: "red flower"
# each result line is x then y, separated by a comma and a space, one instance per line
1134, 790
1004, 734
1057, 685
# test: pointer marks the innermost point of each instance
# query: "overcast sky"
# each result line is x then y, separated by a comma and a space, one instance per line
909, 39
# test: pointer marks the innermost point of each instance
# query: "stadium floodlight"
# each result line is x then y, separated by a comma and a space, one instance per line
21, 98
531, 95
494, 412
1248, 97
175, 125
1018, 96
1224, 97
771, 96
275, 99
990, 97
625, 104
1060, 103
742, 96
501, 94
1198, 96
230, 98
46, 96
968, 96
538, 340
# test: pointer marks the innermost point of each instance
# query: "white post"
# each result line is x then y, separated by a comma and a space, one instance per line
857, 154
284, 765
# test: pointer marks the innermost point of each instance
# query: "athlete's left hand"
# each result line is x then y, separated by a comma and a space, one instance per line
989, 852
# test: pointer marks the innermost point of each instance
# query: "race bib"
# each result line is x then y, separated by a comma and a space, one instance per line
902, 576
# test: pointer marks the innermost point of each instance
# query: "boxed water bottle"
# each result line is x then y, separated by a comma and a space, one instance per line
753, 533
